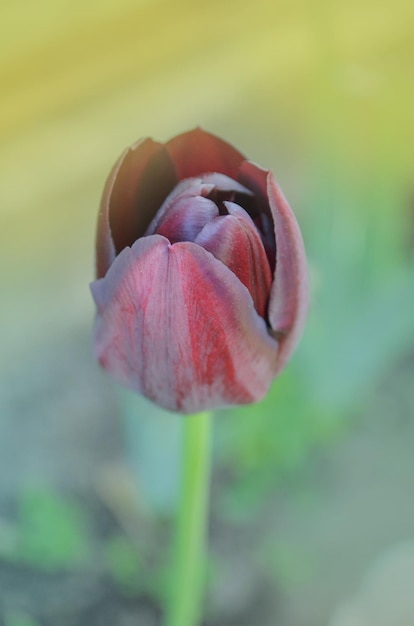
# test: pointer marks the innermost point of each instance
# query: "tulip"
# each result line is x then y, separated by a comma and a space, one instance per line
202, 287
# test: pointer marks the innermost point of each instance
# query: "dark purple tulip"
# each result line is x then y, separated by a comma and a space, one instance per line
202, 287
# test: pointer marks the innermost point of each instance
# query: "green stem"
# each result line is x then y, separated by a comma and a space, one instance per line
189, 550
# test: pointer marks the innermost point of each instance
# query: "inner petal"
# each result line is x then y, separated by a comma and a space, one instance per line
193, 203
221, 182
186, 217
234, 240
226, 189
188, 188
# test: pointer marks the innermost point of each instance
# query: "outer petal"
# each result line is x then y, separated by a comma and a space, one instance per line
289, 298
176, 325
198, 152
234, 240
135, 189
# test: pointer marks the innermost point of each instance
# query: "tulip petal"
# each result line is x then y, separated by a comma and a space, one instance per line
234, 240
178, 326
186, 218
136, 187
198, 152
289, 298
225, 183
255, 177
185, 191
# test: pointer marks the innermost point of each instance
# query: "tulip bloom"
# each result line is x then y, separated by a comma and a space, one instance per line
202, 287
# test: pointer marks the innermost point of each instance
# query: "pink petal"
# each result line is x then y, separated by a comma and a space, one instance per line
198, 152
233, 239
289, 298
135, 189
176, 325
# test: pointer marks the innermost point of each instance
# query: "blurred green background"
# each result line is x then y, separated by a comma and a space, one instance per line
313, 488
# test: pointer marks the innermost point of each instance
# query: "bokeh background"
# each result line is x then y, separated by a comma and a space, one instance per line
312, 520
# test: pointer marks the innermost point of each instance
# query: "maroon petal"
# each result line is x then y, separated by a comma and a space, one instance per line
233, 239
178, 326
135, 189
289, 298
198, 152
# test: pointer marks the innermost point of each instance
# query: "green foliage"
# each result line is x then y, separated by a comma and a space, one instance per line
14, 618
286, 563
361, 318
124, 564
136, 569
52, 531
262, 444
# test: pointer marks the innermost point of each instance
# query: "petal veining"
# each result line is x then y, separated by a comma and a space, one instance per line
178, 326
